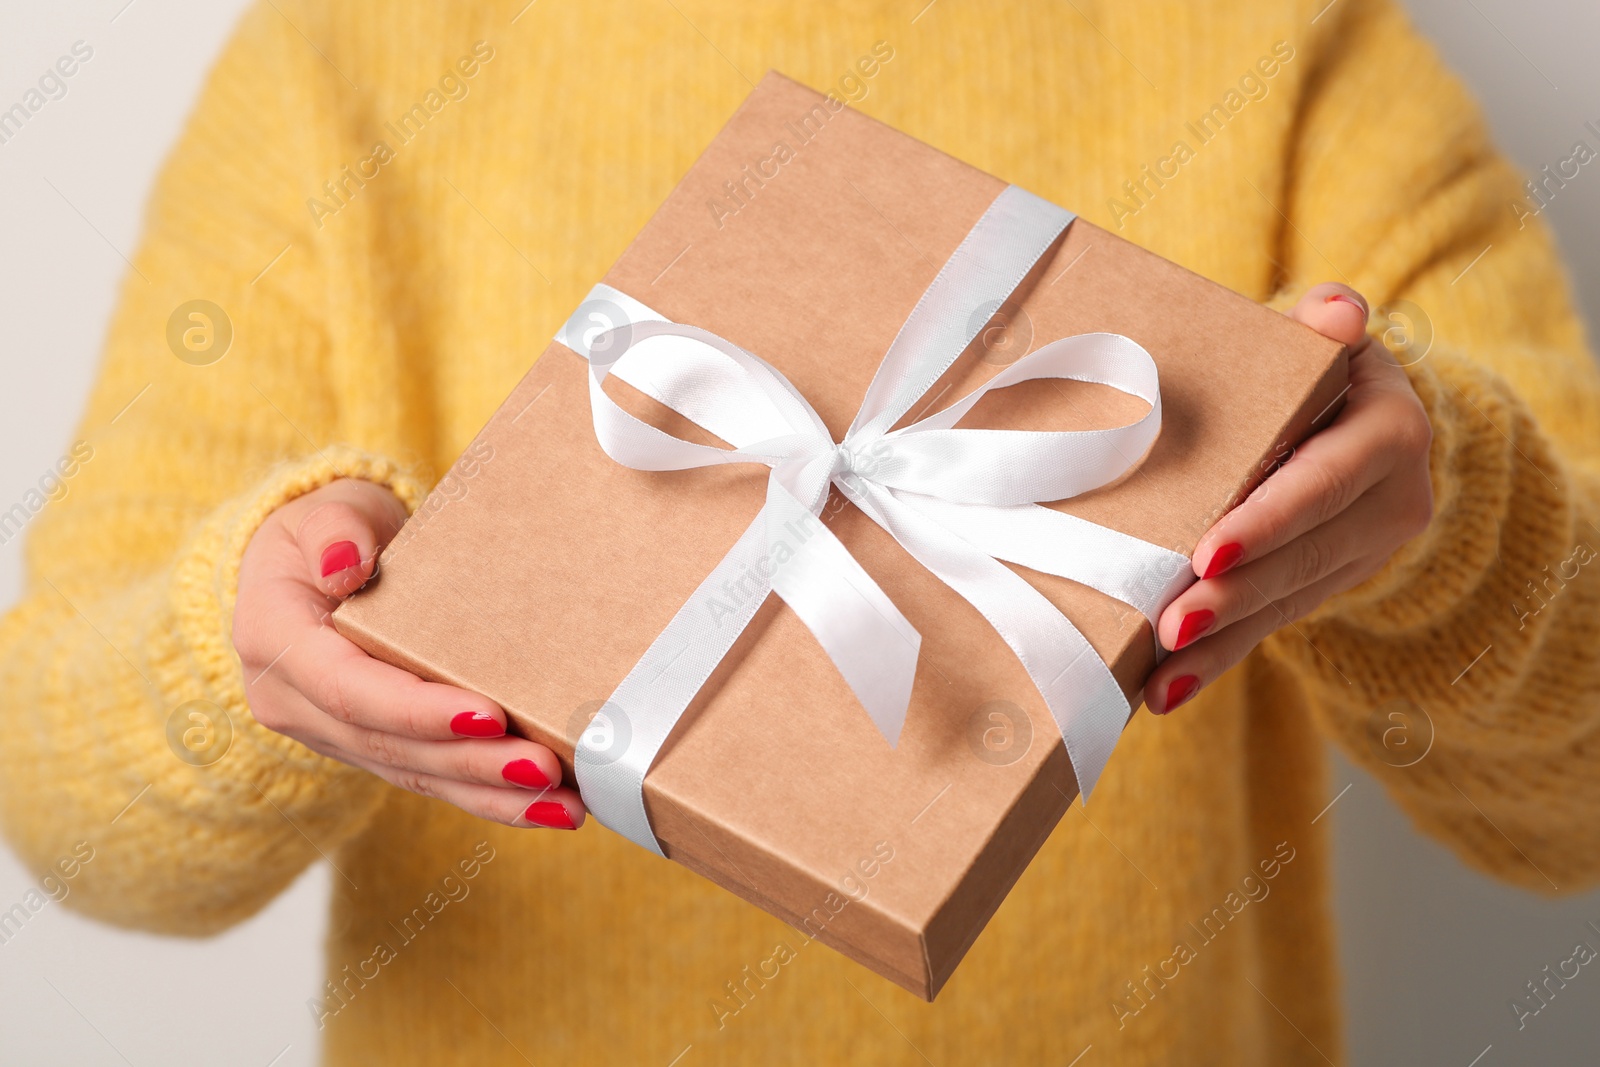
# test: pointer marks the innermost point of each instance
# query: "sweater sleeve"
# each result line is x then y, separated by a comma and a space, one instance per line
131, 572
1475, 645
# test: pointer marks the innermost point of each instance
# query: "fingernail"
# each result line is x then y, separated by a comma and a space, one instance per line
525, 772
340, 556
476, 724
1180, 690
1224, 559
1194, 626
1348, 300
549, 813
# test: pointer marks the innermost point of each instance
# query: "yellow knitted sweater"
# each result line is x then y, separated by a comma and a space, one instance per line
384, 300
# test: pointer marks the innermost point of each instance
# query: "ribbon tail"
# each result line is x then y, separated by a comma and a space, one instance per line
1143, 575
646, 706
1084, 699
871, 643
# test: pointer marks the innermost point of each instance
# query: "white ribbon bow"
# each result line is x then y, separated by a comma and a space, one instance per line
959, 500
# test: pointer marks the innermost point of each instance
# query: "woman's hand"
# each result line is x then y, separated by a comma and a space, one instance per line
1326, 520
305, 681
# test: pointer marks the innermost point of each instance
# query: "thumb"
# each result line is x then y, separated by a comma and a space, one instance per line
1340, 313
1335, 311
340, 536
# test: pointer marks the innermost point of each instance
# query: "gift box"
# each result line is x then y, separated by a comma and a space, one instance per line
857, 676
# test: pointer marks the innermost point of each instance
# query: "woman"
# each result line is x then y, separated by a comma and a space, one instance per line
393, 206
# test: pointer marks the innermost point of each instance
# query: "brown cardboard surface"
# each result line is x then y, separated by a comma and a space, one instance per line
776, 785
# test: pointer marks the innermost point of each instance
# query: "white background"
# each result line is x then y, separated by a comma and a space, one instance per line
1433, 953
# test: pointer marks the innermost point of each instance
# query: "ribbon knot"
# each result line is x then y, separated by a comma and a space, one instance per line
959, 500
849, 461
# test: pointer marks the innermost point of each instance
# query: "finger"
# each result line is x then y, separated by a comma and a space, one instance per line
352, 687
1183, 674
1335, 311
1208, 606
1323, 477
340, 537
500, 762
1340, 313
554, 809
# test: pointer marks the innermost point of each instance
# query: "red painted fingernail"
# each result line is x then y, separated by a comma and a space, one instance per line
1358, 305
476, 724
340, 556
525, 772
1181, 689
1224, 559
1194, 626
549, 813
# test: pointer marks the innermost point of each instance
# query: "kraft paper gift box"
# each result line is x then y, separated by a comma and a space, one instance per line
806, 234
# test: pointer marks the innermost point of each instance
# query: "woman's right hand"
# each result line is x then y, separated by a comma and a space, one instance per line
303, 680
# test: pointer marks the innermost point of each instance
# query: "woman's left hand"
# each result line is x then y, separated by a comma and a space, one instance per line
1327, 519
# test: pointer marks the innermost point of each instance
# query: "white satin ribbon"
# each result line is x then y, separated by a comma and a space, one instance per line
959, 500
